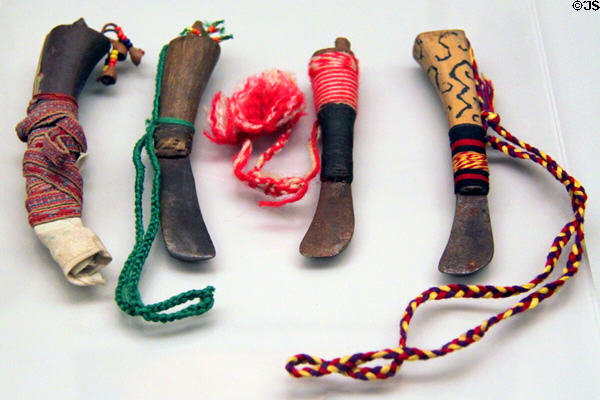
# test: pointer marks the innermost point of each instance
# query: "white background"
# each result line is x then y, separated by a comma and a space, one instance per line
60, 341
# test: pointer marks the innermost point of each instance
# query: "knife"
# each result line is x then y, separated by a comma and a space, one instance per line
55, 141
446, 58
189, 61
333, 223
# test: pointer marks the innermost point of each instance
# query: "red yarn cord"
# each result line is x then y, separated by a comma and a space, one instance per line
270, 102
296, 187
51, 96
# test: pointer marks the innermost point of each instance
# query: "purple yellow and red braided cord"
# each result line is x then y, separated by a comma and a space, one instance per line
354, 365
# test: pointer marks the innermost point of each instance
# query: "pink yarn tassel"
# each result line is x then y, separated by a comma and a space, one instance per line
270, 102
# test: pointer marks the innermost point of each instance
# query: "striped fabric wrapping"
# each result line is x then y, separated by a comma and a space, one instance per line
334, 78
55, 140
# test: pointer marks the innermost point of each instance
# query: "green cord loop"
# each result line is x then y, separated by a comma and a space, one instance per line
172, 120
127, 293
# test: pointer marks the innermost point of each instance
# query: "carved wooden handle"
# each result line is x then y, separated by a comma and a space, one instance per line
68, 57
446, 58
188, 64
187, 67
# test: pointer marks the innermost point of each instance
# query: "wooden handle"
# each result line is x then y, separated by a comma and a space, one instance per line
341, 44
68, 57
187, 67
188, 64
446, 58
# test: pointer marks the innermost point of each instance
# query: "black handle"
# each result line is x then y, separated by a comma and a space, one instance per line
337, 135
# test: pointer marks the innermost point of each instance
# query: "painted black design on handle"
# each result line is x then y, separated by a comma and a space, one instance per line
337, 135
436, 75
436, 78
465, 87
419, 45
444, 45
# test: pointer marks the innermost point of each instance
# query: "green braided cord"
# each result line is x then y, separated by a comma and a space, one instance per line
127, 293
173, 120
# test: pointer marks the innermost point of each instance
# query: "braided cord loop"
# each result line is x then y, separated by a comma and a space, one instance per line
353, 366
127, 294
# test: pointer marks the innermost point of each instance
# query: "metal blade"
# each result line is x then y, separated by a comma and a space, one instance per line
471, 245
182, 225
333, 224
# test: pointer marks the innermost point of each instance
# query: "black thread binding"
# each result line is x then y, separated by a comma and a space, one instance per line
337, 133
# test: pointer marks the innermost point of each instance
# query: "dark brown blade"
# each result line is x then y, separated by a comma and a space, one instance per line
333, 224
471, 245
183, 228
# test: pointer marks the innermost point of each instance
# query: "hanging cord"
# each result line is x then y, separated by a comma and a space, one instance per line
352, 366
119, 49
127, 294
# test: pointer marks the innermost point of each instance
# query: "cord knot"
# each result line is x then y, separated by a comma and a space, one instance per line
491, 117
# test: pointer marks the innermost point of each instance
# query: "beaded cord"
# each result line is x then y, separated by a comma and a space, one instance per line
111, 60
109, 75
210, 28
353, 366
121, 37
